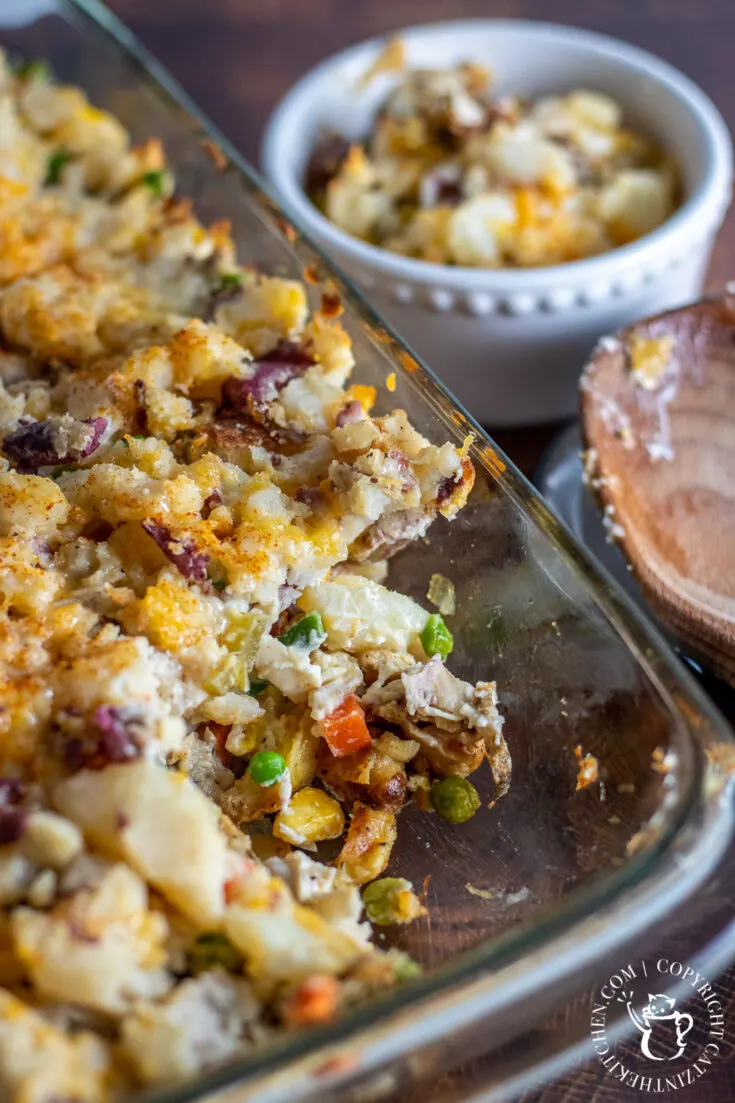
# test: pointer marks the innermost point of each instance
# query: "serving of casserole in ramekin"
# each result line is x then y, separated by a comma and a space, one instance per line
510, 342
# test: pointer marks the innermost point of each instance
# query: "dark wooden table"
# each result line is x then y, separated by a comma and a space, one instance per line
237, 57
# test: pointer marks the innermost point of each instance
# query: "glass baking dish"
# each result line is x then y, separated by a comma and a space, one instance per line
538, 896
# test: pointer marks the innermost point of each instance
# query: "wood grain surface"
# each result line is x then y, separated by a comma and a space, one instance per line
237, 57
684, 410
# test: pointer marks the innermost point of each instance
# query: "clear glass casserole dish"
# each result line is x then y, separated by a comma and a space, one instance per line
543, 893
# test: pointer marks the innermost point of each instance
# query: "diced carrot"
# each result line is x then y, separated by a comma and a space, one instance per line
240, 870
345, 730
314, 1001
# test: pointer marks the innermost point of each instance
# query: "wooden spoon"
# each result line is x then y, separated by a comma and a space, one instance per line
658, 417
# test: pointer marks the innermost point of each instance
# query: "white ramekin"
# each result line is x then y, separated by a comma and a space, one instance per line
511, 343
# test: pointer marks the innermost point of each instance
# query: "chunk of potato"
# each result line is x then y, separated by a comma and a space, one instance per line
161, 824
289, 943
39, 1061
103, 951
267, 311
359, 614
30, 505
634, 203
476, 228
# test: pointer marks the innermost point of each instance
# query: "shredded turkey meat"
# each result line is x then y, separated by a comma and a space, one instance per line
455, 724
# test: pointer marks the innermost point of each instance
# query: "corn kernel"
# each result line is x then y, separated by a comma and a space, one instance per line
243, 632
230, 674
92, 114
312, 816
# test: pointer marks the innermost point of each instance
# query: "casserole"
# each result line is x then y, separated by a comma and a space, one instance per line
512, 343
537, 893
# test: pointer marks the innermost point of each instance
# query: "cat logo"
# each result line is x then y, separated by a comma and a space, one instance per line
660, 1009
677, 1034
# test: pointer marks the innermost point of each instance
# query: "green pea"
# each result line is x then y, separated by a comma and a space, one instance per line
266, 768
454, 798
381, 899
62, 470
230, 280
157, 181
54, 165
210, 950
436, 639
405, 967
257, 686
34, 70
306, 634
219, 583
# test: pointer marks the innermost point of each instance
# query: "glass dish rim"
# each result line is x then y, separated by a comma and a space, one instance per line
471, 979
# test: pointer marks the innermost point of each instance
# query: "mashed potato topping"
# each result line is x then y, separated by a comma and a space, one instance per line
453, 176
202, 674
